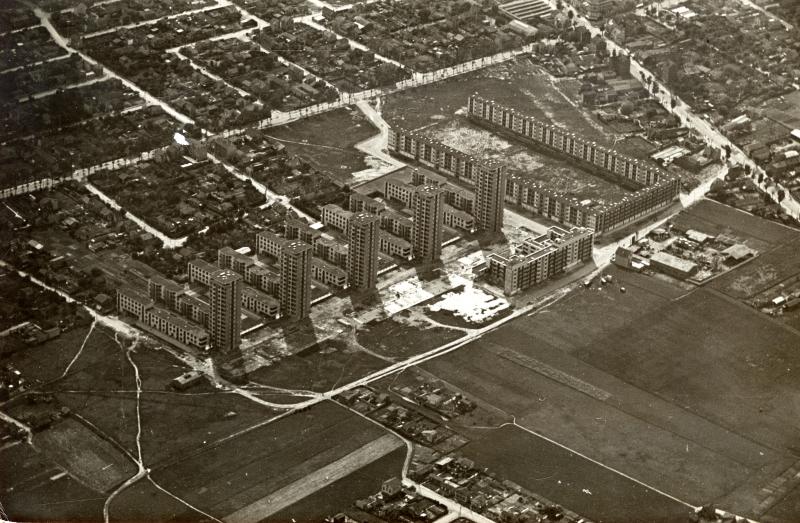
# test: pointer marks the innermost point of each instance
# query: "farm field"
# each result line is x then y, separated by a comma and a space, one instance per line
230, 476
556, 473
637, 381
328, 140
204, 413
786, 509
340, 495
42, 490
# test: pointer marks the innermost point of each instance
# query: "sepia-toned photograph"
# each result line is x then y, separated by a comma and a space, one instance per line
400, 261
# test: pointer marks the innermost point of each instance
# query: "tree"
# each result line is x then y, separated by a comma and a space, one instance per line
781, 195
727, 151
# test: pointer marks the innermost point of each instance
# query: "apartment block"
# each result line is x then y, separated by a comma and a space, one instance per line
295, 296
133, 302
175, 327
299, 229
260, 303
142, 307
653, 188
328, 274
459, 219
165, 290
201, 271
226, 310
228, 258
540, 258
263, 278
332, 250
362, 203
428, 223
362, 264
394, 245
396, 223
195, 309
336, 217
270, 244
490, 190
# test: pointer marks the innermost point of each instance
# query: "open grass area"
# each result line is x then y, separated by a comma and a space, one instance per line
46, 362
558, 474
242, 470
109, 402
517, 83
403, 338
143, 501
319, 368
328, 140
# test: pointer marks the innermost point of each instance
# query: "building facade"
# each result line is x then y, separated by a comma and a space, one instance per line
362, 262
226, 310
336, 217
540, 258
428, 223
295, 296
490, 192
168, 324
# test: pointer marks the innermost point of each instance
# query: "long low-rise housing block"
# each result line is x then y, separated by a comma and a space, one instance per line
260, 303
655, 188
394, 245
143, 308
540, 258
328, 274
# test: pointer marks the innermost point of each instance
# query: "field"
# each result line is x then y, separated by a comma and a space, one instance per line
101, 388
57, 353
92, 460
320, 368
242, 470
402, 338
518, 84
328, 140
556, 473
41, 489
554, 173
691, 392
340, 495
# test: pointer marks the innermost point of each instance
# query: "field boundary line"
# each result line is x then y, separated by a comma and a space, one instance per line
596, 462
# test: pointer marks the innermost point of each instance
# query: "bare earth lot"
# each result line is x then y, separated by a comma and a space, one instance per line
327, 140
556, 174
518, 84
